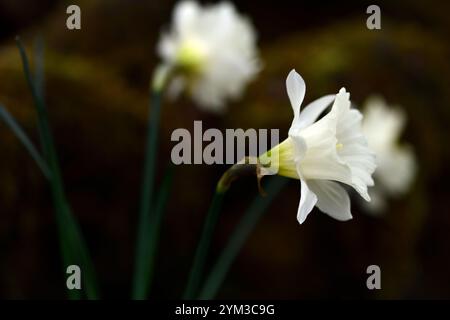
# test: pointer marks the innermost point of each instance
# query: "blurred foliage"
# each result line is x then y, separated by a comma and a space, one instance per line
97, 83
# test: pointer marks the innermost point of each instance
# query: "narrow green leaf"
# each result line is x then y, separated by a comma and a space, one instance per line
239, 237
39, 77
74, 250
23, 138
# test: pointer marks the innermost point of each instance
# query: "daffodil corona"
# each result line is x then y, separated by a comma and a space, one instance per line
213, 48
324, 153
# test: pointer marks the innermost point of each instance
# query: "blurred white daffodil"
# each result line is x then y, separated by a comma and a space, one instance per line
214, 49
323, 154
396, 164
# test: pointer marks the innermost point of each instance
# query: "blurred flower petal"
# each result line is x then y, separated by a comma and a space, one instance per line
214, 47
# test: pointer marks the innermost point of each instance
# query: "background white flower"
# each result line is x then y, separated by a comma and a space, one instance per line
325, 152
214, 48
396, 164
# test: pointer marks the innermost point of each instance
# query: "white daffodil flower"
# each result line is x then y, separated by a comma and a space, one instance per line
323, 154
396, 164
214, 48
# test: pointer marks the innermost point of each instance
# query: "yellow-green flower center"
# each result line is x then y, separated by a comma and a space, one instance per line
280, 160
191, 55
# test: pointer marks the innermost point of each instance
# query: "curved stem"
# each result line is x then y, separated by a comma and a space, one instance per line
245, 167
239, 237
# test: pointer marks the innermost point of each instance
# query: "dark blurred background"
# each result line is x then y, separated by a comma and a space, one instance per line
96, 88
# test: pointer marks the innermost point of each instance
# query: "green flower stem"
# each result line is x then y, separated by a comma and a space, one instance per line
156, 221
72, 244
242, 168
198, 265
146, 217
239, 237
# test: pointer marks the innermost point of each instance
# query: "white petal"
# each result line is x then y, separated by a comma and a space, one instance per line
185, 16
296, 89
312, 111
332, 199
307, 202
